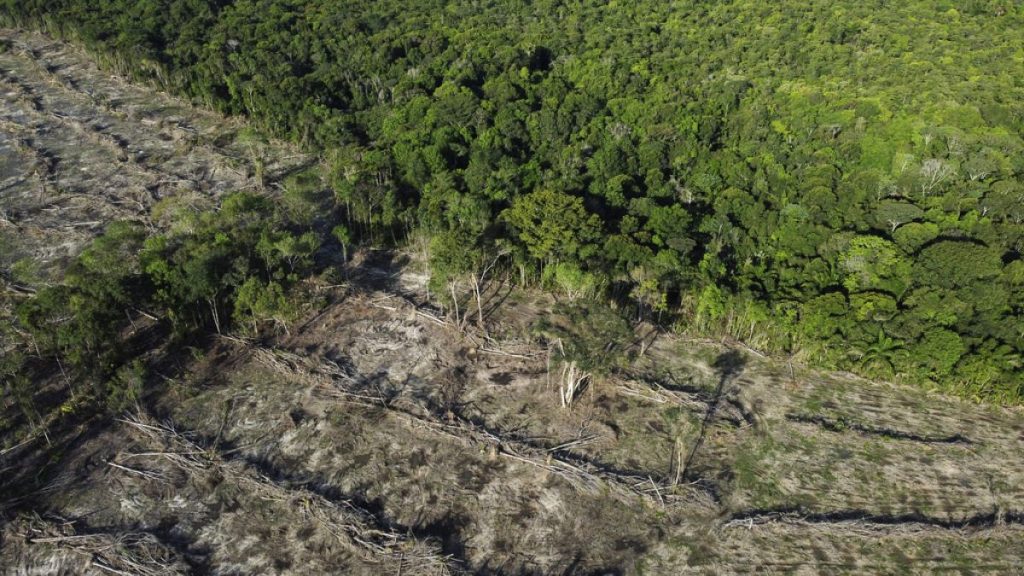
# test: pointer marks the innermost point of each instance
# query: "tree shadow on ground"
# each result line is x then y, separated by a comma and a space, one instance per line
728, 365
377, 270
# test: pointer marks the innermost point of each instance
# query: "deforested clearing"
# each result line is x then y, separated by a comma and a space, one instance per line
289, 399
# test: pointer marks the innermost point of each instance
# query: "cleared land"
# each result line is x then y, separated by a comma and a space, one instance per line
379, 438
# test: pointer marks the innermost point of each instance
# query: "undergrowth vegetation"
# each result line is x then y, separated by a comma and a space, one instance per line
237, 268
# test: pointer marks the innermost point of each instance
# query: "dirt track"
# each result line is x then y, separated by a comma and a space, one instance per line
377, 438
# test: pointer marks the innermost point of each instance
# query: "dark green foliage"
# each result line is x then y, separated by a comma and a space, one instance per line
590, 335
79, 319
838, 179
953, 264
124, 389
15, 383
239, 263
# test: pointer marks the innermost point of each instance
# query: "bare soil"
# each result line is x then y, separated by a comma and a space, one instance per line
380, 437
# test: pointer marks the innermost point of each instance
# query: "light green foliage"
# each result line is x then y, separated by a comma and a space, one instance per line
710, 305
258, 302
25, 271
936, 307
570, 280
301, 198
554, 227
822, 317
872, 306
881, 356
938, 351
197, 276
873, 263
449, 259
286, 252
342, 234
911, 237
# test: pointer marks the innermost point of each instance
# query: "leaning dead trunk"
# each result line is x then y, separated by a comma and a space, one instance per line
455, 302
479, 301
573, 380
213, 312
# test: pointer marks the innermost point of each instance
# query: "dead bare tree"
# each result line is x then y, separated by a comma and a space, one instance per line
572, 380
479, 281
933, 173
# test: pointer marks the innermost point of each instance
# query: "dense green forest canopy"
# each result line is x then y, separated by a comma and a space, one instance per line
838, 180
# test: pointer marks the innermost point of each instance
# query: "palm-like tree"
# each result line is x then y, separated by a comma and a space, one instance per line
879, 357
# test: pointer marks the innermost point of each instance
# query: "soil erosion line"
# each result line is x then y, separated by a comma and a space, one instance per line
885, 522
841, 424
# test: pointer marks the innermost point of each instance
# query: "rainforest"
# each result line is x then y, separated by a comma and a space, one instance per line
840, 182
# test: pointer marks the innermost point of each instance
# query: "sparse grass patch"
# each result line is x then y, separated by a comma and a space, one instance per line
751, 472
876, 452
